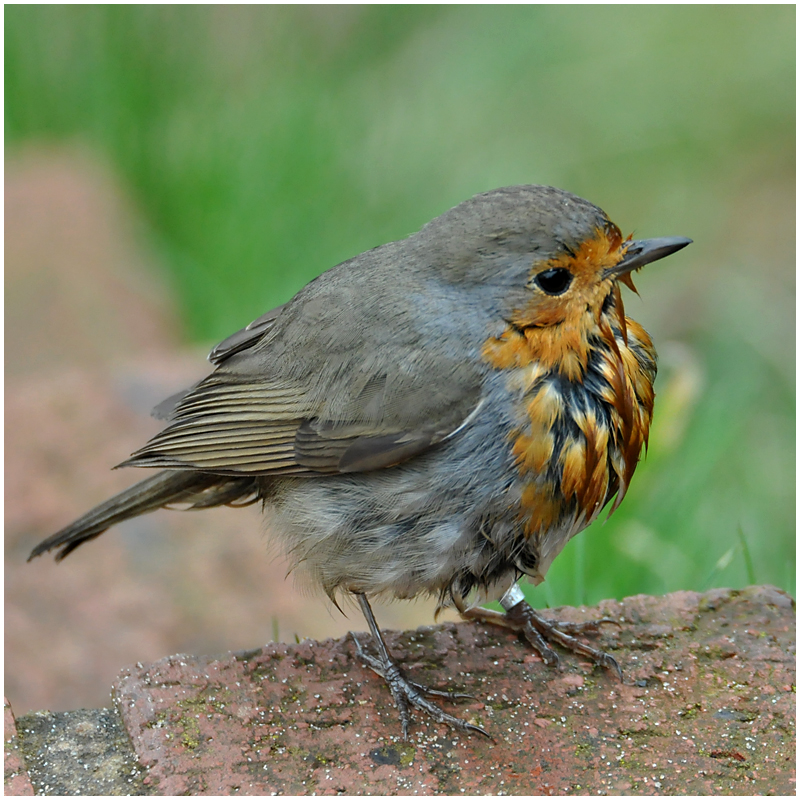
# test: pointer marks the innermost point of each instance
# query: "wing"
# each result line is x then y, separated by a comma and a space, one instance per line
282, 403
235, 343
262, 428
245, 338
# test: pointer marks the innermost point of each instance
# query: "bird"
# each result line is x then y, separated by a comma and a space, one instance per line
436, 416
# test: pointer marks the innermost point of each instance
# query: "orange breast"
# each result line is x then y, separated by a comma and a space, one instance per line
581, 429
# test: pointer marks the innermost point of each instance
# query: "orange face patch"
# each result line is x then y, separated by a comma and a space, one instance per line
588, 289
554, 329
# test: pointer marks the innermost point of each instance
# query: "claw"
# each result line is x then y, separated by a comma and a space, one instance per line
539, 632
407, 693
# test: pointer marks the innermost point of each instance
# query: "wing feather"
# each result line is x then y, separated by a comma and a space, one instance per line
285, 398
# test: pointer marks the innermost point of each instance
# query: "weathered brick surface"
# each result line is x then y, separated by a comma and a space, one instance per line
15, 777
84, 752
707, 707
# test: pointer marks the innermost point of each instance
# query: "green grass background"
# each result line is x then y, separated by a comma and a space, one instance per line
263, 144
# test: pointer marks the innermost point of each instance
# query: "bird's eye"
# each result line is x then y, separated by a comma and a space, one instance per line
554, 281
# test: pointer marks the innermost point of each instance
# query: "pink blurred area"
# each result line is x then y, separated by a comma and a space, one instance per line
92, 343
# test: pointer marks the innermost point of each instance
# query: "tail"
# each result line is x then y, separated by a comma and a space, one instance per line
199, 489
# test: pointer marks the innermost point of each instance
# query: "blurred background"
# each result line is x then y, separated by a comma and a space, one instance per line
172, 172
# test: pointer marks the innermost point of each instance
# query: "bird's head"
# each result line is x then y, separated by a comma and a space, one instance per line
554, 262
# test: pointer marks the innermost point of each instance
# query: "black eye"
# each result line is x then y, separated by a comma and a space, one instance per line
554, 281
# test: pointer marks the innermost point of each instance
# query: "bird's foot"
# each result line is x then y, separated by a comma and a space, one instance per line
540, 632
408, 694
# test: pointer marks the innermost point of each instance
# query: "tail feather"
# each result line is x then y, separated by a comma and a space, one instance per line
200, 490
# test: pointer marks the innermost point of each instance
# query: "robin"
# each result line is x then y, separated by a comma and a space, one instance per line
439, 415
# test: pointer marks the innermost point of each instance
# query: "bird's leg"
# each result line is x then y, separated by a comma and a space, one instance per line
406, 693
540, 632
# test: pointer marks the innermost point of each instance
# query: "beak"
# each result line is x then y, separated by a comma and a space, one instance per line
642, 251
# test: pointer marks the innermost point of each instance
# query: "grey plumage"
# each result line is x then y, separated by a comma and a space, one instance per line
373, 364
